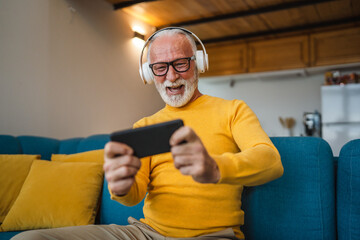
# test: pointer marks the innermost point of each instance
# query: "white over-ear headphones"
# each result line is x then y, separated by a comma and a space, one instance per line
201, 57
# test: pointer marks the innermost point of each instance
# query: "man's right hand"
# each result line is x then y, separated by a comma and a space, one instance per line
120, 167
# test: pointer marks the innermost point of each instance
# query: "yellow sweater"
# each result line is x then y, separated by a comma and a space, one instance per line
176, 205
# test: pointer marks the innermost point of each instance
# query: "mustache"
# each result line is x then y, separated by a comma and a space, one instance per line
177, 83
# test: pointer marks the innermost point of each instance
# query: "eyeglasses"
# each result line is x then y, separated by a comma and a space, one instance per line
180, 65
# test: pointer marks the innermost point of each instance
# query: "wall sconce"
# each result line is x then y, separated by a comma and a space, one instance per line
139, 36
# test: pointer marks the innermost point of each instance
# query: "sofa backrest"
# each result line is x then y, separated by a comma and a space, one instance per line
29, 145
348, 191
300, 204
47, 146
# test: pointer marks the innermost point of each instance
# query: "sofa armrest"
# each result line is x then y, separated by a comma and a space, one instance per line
348, 191
300, 204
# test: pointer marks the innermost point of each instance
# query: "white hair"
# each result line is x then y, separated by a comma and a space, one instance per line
172, 32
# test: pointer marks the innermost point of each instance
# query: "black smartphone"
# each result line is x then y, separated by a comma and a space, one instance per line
149, 140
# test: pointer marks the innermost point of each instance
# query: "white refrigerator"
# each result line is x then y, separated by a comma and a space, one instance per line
340, 108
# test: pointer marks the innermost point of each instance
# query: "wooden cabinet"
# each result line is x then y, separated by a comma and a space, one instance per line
226, 59
317, 49
279, 54
335, 47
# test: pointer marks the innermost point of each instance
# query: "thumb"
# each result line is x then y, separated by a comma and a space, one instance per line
183, 134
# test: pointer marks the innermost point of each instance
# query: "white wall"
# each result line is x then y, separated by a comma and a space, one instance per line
69, 69
271, 98
276, 94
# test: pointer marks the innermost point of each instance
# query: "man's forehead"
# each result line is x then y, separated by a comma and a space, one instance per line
173, 44
177, 40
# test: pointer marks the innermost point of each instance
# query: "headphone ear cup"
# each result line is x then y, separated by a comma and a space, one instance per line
206, 62
148, 76
201, 61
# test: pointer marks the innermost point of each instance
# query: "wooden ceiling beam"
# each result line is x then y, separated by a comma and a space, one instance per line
129, 3
330, 23
262, 10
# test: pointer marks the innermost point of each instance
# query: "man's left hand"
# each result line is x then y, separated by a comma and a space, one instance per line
191, 157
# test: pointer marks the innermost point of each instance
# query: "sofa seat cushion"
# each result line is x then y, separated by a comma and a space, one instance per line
56, 194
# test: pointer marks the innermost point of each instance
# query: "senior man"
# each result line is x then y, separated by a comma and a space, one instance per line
194, 192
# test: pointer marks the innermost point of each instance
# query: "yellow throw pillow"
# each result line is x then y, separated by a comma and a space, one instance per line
13, 172
56, 194
90, 156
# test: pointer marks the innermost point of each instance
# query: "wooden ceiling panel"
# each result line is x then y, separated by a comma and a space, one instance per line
297, 16
250, 24
284, 18
205, 31
309, 15
334, 10
159, 13
228, 27
224, 7
221, 20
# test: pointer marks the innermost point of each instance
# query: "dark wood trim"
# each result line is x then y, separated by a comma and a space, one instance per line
129, 3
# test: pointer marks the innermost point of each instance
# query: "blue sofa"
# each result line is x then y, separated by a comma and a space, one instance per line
348, 191
299, 205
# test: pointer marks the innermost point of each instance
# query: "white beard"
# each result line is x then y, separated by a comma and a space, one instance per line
178, 100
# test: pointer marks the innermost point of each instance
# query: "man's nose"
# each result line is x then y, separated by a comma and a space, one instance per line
172, 75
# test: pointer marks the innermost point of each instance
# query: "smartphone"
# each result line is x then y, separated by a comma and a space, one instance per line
149, 140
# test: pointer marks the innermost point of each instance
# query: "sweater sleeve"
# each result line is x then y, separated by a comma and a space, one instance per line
258, 161
138, 189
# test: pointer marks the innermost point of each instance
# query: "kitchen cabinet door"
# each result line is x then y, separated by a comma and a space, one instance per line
335, 47
279, 54
226, 59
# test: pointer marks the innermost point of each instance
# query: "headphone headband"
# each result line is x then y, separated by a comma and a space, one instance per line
201, 56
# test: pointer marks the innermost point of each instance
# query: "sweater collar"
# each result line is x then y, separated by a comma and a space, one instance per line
190, 105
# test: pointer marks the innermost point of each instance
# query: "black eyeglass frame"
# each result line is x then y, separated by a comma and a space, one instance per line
172, 64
